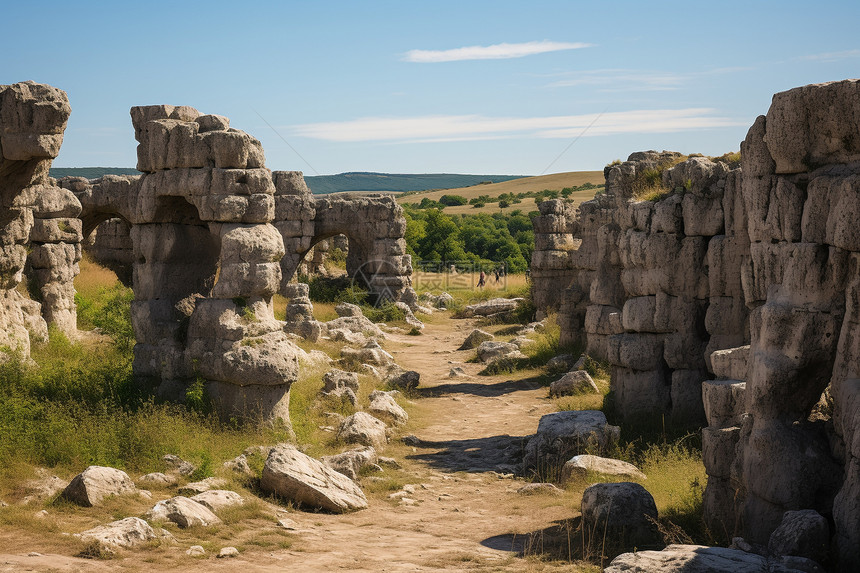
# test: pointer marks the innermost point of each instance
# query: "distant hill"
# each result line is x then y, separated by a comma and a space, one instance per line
91, 172
554, 181
324, 184
391, 182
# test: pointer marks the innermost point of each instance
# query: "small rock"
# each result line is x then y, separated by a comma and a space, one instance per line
349, 463
578, 468
560, 363
34, 554
196, 551
362, 428
178, 465
217, 499
404, 380
411, 440
491, 351
475, 338
573, 383
457, 372
388, 462
183, 512
128, 532
206, 484
383, 406
288, 524
228, 552
157, 479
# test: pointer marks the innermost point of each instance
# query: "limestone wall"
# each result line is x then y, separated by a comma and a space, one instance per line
40, 233
372, 225
735, 299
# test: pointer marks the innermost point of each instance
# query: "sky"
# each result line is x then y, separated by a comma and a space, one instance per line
467, 86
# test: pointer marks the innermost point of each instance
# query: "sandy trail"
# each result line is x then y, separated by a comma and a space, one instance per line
464, 513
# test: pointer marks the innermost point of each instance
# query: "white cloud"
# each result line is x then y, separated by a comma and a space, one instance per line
832, 56
494, 52
624, 79
474, 127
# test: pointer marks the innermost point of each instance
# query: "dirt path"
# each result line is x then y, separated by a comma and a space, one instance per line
462, 510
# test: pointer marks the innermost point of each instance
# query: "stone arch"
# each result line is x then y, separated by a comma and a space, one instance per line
205, 259
374, 224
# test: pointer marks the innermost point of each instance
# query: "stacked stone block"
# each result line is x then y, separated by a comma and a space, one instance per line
747, 280
39, 230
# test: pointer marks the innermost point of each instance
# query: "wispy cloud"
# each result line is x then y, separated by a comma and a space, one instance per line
615, 80
622, 79
832, 56
494, 52
474, 127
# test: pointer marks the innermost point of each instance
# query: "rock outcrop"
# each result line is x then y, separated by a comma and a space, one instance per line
732, 301
40, 232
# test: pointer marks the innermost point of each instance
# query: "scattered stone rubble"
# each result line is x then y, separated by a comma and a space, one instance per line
733, 301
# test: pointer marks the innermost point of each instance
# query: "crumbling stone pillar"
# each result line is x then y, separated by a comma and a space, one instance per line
38, 225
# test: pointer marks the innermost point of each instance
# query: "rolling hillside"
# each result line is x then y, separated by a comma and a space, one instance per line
555, 181
358, 182
91, 172
395, 183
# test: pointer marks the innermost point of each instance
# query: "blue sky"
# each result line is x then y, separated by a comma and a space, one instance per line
489, 87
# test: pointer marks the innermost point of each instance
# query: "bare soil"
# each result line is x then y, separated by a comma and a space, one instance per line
461, 513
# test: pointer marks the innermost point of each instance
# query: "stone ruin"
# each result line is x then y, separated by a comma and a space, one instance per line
734, 300
369, 228
211, 235
40, 233
205, 236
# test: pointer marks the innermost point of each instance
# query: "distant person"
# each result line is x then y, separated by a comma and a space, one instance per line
497, 273
482, 279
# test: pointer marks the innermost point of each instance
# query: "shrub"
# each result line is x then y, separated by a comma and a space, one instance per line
453, 200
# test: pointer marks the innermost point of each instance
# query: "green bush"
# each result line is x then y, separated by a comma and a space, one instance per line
453, 200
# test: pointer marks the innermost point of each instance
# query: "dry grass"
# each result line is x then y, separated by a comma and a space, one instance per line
93, 278
523, 185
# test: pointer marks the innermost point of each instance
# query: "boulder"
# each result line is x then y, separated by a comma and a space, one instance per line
335, 379
491, 307
803, 533
383, 406
126, 533
95, 483
579, 467
157, 479
572, 383
403, 380
290, 474
205, 484
183, 512
348, 309
177, 464
217, 499
475, 338
623, 512
701, 559
561, 435
371, 353
362, 428
491, 351
350, 462
561, 363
